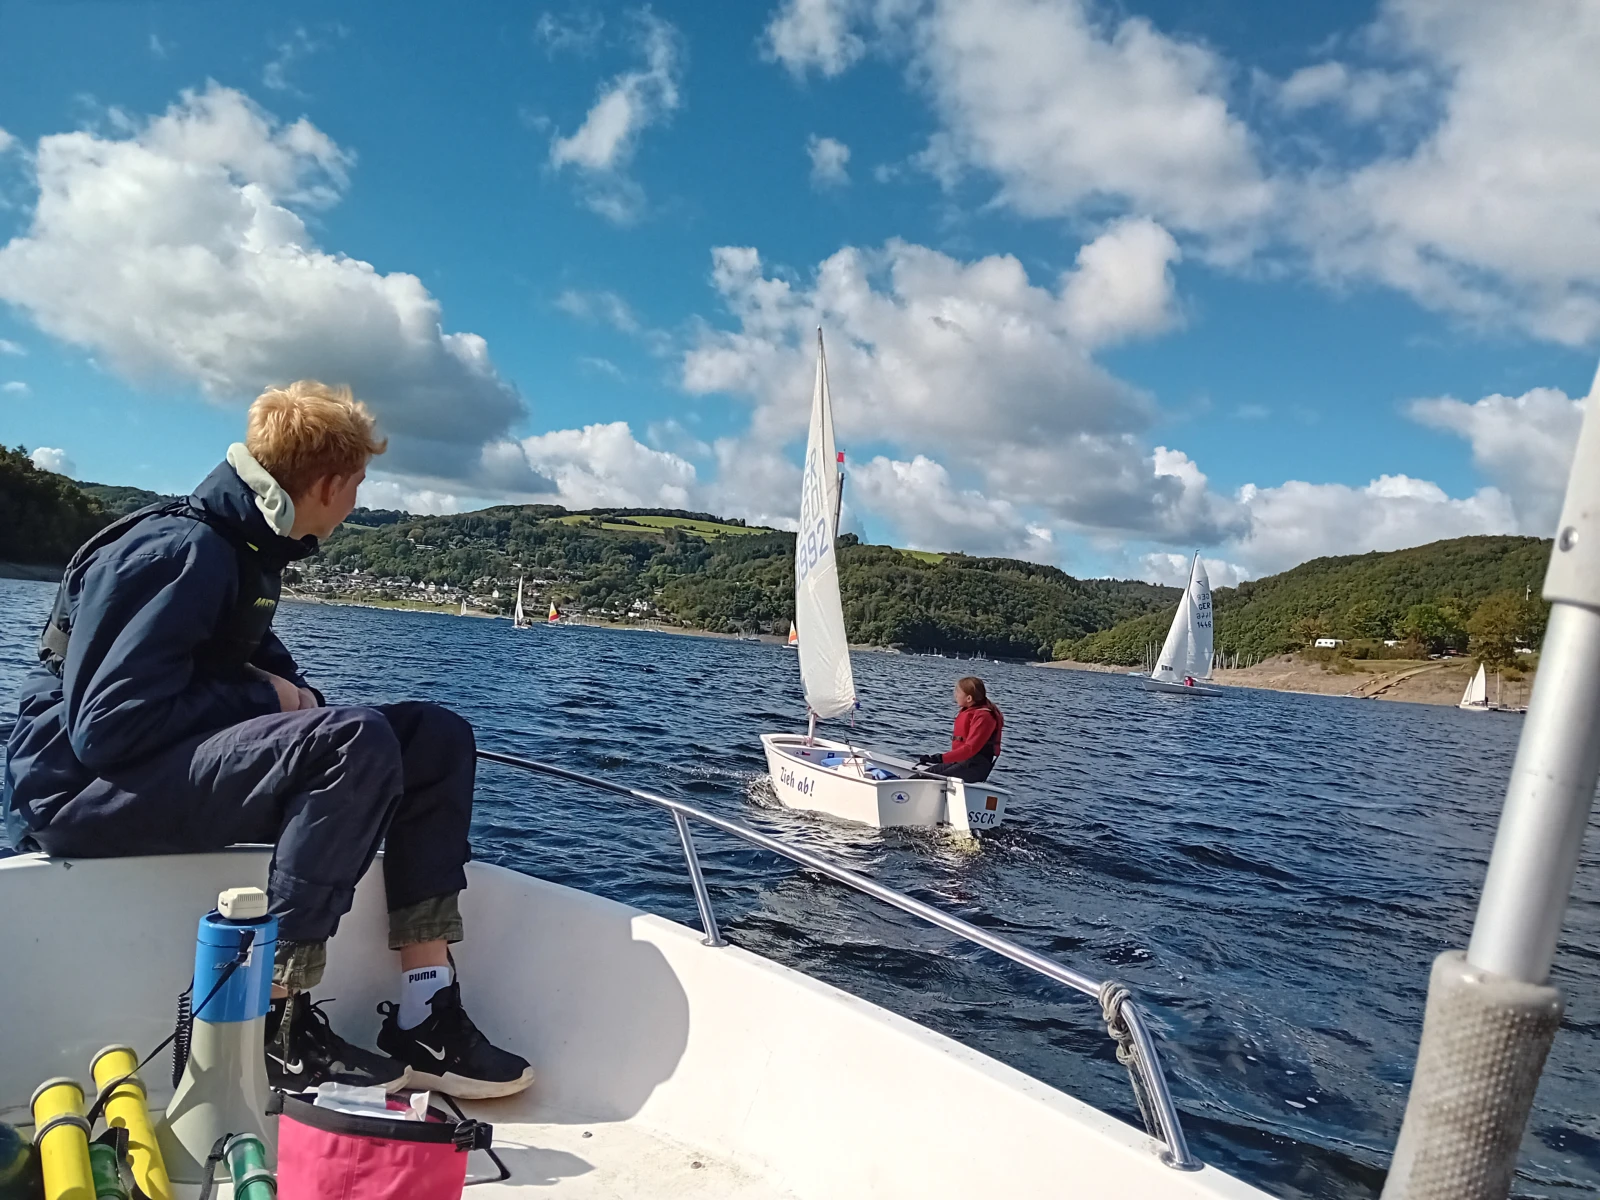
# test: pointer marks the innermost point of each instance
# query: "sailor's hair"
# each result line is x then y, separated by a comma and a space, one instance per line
308, 431
973, 686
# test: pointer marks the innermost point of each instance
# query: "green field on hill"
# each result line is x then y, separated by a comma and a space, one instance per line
702, 528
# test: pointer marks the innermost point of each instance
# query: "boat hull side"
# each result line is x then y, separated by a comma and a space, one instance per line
1180, 689
801, 782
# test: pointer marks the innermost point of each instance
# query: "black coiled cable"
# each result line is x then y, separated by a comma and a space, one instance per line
180, 1034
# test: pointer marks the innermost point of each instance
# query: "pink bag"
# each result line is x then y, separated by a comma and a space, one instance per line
329, 1155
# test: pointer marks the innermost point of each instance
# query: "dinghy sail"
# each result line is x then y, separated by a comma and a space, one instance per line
819, 613
1185, 656
1476, 697
519, 619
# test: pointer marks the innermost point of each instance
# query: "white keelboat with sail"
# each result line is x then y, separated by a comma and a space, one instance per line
519, 616
837, 777
1476, 697
1185, 660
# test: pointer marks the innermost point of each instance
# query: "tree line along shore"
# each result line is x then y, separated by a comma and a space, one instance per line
1475, 595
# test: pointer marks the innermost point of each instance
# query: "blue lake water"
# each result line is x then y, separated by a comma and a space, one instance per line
1271, 874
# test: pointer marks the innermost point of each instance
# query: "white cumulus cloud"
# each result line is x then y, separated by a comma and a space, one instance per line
15, 387
1296, 521
50, 458
1123, 286
946, 358
807, 34
174, 253
603, 464
1491, 213
1068, 110
830, 159
927, 511
1523, 443
392, 493
602, 147
1173, 570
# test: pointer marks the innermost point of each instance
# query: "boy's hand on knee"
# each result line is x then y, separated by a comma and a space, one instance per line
290, 698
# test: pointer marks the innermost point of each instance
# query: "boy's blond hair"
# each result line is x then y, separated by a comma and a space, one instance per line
309, 430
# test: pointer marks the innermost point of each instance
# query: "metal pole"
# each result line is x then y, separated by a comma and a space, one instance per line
1536, 850
708, 920
1535, 858
1491, 1015
1177, 1154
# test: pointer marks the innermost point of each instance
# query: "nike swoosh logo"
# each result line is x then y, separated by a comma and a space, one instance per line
294, 1068
438, 1054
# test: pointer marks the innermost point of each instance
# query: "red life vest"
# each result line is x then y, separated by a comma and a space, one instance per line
977, 732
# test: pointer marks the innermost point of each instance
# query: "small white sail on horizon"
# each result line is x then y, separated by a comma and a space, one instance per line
819, 613
463, 608
1187, 651
519, 619
1477, 694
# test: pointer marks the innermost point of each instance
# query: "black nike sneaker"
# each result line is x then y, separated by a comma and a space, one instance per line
303, 1051
448, 1053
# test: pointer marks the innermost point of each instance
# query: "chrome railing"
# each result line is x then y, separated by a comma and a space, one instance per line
1136, 1048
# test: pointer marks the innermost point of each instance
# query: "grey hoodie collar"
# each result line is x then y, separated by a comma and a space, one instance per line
271, 499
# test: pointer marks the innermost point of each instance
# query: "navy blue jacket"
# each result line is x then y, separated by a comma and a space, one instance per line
130, 688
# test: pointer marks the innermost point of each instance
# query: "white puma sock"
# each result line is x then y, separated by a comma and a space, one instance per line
417, 987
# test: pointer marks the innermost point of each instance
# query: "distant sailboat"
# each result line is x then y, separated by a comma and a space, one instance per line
463, 608
519, 619
794, 637
1185, 657
833, 777
555, 613
1476, 697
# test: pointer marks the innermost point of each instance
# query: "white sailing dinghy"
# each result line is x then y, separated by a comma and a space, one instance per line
519, 618
1185, 659
1476, 697
832, 777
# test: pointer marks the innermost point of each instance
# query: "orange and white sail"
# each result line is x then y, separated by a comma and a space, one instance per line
555, 613
794, 635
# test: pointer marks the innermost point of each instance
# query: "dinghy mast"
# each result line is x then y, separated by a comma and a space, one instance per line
1492, 1013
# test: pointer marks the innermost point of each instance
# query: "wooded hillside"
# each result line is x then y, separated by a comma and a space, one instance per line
44, 517
735, 580
1428, 596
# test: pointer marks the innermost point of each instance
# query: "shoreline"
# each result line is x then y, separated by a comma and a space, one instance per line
445, 610
1438, 682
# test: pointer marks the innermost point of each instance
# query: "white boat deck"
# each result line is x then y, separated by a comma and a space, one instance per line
604, 1160
666, 1052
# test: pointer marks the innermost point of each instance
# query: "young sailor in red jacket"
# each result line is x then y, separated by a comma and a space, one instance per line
976, 742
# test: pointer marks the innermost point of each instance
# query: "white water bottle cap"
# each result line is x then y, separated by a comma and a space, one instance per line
242, 903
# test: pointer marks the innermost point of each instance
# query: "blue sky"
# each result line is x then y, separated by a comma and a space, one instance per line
1102, 284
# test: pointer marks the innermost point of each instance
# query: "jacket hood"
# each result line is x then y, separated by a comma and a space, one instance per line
255, 509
